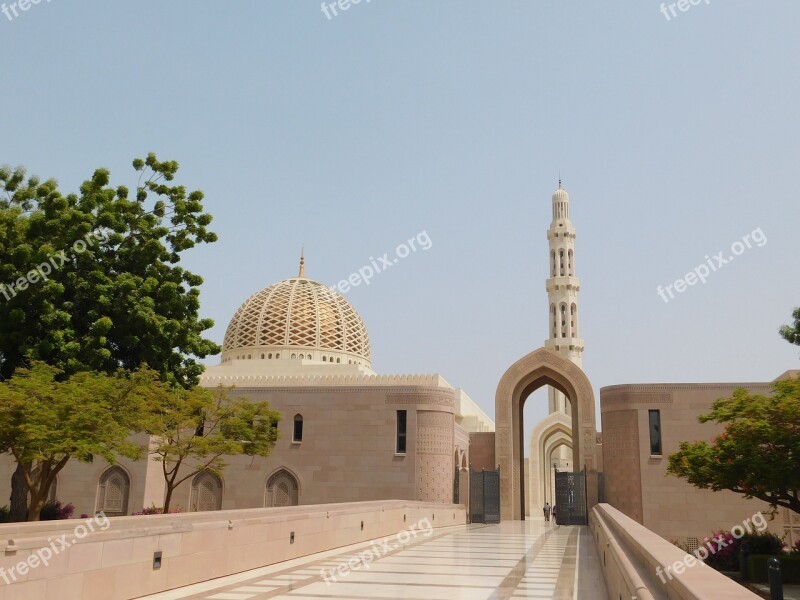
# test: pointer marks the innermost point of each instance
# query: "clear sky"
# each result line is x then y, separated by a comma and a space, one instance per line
676, 136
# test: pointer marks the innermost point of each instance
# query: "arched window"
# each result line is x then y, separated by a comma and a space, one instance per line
563, 320
294, 355
114, 488
297, 434
554, 318
278, 355
270, 355
338, 360
324, 359
206, 492
282, 490
561, 262
553, 268
571, 269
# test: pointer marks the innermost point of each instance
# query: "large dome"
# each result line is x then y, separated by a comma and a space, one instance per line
297, 318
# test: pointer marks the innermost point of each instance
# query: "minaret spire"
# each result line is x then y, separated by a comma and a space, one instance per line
302, 262
562, 287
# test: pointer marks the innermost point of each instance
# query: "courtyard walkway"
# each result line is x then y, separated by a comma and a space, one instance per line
512, 560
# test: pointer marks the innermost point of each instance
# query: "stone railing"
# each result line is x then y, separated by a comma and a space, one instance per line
127, 557
638, 563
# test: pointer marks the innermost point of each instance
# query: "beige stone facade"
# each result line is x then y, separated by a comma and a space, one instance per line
346, 433
636, 480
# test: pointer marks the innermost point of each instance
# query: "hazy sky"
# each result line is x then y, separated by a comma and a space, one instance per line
352, 134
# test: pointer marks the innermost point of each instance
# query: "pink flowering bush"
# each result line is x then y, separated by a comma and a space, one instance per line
56, 511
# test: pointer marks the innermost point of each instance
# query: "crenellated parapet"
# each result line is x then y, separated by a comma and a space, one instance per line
216, 379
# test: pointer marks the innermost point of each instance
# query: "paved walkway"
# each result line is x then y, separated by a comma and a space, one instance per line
512, 560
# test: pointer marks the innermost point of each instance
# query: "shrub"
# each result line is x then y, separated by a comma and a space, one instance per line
725, 558
55, 511
796, 547
156, 510
758, 567
5, 514
764, 542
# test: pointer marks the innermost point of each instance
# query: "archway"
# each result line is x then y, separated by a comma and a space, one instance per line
206, 492
539, 368
552, 432
282, 489
113, 490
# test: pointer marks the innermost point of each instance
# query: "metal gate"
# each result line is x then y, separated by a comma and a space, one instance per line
570, 503
484, 496
455, 486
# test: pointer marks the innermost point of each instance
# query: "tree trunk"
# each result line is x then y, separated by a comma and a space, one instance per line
167, 499
37, 504
19, 497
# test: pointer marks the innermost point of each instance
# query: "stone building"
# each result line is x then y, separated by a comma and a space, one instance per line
347, 434
642, 425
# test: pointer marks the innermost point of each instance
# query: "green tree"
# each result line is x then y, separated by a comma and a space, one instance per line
757, 455
113, 295
45, 422
791, 333
193, 430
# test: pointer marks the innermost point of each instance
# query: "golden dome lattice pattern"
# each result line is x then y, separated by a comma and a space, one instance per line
298, 312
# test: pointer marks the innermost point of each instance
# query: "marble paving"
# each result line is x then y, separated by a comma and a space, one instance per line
512, 560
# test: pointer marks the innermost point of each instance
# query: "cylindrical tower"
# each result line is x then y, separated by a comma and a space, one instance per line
562, 293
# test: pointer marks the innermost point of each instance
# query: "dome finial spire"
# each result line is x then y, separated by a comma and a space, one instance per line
302, 262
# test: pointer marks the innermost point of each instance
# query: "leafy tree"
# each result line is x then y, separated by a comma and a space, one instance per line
194, 429
791, 333
45, 422
90, 281
119, 302
757, 455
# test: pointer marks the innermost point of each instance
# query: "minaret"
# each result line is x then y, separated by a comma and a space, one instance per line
562, 293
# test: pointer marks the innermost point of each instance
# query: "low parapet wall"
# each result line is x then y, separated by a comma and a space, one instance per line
117, 558
638, 563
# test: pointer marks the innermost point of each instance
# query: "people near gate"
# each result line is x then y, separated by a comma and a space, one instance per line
553, 512
547, 511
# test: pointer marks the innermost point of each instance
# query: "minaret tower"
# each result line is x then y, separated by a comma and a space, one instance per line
562, 293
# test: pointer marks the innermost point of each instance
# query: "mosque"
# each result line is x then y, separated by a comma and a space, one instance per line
347, 433
350, 434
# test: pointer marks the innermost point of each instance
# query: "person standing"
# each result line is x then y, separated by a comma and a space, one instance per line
547, 512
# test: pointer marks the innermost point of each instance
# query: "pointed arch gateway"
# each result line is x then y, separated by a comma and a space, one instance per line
540, 368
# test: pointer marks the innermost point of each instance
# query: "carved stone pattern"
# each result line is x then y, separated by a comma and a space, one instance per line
434, 433
502, 436
618, 399
621, 462
434, 478
410, 399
